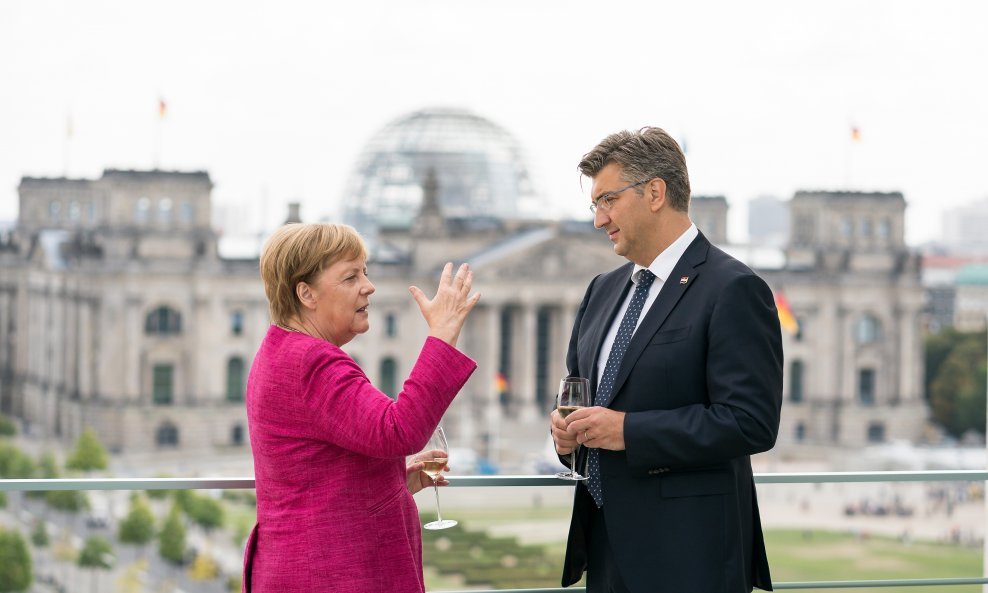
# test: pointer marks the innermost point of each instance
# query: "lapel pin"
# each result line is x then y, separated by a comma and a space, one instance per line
684, 279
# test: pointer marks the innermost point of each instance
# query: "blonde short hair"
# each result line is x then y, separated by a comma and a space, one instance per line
298, 253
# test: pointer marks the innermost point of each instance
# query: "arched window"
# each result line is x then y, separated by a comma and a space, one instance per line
141, 210
800, 432
796, 381
867, 329
235, 379
165, 211
163, 321
391, 325
389, 377
166, 435
237, 434
876, 432
237, 323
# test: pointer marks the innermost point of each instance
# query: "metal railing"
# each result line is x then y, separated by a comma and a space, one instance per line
503, 481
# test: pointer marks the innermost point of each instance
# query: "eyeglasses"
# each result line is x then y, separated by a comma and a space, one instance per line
603, 202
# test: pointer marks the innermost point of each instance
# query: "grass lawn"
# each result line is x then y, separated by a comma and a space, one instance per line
796, 555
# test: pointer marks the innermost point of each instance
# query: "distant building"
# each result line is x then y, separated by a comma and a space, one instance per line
854, 370
964, 228
768, 221
117, 312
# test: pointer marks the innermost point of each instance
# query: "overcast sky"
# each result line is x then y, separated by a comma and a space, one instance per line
276, 99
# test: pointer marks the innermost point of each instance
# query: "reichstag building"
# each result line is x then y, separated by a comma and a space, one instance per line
117, 310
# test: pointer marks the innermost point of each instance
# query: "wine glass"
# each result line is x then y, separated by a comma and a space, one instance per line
434, 467
574, 393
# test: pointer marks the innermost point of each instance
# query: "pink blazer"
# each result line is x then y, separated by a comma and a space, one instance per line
333, 510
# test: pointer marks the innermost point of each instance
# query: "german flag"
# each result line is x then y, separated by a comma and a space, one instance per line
787, 319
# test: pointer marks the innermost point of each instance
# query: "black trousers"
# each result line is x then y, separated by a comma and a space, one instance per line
602, 572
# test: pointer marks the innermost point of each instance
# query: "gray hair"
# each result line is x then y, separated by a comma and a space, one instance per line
643, 155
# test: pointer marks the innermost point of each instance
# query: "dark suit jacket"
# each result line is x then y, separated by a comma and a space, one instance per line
701, 383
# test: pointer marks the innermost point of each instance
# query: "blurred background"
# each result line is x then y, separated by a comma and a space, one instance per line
148, 149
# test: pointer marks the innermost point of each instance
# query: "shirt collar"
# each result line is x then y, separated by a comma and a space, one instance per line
663, 264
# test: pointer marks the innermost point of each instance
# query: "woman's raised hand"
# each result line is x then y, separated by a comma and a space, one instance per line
447, 311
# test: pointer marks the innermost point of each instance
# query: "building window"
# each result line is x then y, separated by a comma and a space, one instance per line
54, 210
165, 211
876, 432
800, 432
187, 213
75, 211
883, 228
141, 210
235, 379
796, 381
237, 323
389, 377
866, 228
866, 386
390, 325
847, 228
867, 329
166, 435
163, 321
162, 384
237, 434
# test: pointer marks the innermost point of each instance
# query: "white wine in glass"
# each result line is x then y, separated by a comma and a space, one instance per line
574, 393
434, 469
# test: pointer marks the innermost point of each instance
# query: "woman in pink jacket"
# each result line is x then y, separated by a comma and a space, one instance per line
334, 496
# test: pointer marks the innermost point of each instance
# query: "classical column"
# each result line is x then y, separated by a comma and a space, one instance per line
524, 379
491, 319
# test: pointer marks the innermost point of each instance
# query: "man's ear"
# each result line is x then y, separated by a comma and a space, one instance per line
305, 296
656, 191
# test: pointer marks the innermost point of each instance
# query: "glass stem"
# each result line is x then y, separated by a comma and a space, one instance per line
439, 511
572, 464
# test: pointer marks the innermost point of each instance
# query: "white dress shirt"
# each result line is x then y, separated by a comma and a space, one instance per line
661, 266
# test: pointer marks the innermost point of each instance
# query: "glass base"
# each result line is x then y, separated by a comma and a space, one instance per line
444, 524
570, 476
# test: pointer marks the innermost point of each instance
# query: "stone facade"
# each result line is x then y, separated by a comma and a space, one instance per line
117, 312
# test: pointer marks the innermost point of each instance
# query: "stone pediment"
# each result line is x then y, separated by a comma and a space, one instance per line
554, 256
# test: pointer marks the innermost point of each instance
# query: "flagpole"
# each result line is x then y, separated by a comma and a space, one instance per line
67, 145
156, 149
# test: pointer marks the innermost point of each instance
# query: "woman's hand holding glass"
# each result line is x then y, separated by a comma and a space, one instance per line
446, 312
416, 476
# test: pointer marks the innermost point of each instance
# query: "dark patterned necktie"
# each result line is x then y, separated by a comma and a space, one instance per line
625, 331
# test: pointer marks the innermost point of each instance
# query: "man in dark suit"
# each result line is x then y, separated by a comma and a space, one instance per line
684, 353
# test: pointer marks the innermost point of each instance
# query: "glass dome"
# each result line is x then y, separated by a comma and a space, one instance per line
479, 165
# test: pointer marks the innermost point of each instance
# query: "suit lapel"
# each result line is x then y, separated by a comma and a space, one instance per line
612, 296
673, 289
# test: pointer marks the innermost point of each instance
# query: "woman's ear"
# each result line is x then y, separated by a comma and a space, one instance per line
305, 296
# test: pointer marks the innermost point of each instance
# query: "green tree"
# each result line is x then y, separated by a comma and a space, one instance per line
7, 427
39, 535
14, 463
3, 500
957, 391
171, 538
96, 555
15, 562
89, 454
46, 469
69, 501
137, 528
205, 512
